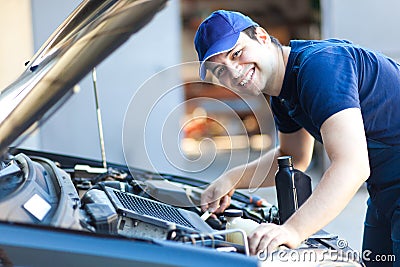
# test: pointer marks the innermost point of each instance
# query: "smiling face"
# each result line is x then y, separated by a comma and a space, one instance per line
250, 67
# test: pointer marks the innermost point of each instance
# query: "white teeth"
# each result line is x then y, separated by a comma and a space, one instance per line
248, 78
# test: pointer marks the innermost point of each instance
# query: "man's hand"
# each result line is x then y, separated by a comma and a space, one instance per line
217, 196
268, 237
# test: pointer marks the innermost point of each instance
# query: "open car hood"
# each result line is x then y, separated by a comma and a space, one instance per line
89, 34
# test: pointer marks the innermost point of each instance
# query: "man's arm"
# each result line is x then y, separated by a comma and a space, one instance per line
299, 145
345, 143
257, 173
260, 172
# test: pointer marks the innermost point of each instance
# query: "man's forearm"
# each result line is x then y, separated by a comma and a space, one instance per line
258, 173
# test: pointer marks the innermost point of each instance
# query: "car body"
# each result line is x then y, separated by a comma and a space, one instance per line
57, 210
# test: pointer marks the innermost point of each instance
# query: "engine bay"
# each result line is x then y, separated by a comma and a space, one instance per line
72, 193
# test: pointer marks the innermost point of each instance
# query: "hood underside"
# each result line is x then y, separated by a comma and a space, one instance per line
89, 35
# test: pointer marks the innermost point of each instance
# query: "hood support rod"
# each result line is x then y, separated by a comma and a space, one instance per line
99, 120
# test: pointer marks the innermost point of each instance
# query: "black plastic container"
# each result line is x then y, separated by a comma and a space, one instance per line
293, 187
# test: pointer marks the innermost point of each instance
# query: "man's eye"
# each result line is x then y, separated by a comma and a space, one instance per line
220, 71
237, 54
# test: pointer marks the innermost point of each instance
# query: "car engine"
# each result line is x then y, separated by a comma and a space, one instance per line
66, 192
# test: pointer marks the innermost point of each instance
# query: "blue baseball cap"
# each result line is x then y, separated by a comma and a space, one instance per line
219, 33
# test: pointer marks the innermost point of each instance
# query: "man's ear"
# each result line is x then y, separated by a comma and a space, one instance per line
262, 35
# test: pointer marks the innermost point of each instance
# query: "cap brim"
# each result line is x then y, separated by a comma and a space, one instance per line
219, 47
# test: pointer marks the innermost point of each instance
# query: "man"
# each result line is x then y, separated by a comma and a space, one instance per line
340, 94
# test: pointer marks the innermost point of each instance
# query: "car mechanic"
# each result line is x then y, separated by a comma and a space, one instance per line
333, 91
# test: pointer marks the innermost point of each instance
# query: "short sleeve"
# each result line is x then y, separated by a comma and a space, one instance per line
327, 84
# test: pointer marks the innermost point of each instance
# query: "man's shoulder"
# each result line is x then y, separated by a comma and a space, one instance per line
300, 45
319, 50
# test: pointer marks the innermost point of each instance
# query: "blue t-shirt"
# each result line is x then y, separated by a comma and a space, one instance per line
325, 77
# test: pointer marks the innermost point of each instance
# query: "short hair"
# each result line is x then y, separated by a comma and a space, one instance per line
251, 32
